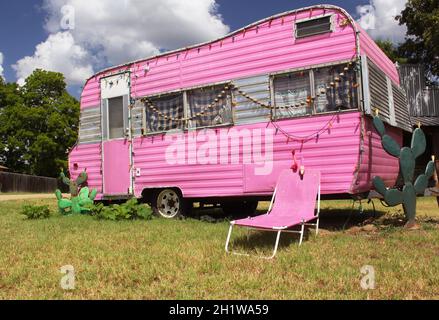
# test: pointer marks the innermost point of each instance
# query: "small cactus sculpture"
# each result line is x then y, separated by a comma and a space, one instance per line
407, 160
80, 197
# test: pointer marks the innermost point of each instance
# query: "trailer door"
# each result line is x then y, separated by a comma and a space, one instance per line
116, 136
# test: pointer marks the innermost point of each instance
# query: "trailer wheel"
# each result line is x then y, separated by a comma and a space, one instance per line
168, 203
240, 208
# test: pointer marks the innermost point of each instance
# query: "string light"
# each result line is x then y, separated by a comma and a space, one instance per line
298, 104
303, 139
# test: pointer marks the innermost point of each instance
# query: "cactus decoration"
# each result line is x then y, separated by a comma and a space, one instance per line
407, 159
80, 198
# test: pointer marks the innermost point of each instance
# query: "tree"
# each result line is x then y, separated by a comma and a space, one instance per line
421, 45
391, 51
39, 122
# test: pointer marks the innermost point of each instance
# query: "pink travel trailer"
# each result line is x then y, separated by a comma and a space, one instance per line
219, 121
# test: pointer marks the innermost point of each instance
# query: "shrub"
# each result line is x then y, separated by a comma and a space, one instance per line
129, 210
36, 212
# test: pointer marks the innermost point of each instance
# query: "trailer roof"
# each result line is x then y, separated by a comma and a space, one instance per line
321, 6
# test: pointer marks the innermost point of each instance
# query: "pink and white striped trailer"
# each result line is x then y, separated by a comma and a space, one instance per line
304, 81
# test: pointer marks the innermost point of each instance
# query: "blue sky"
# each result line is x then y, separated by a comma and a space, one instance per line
24, 25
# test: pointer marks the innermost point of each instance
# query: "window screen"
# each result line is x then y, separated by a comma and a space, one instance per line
336, 86
115, 118
210, 106
291, 93
167, 114
312, 27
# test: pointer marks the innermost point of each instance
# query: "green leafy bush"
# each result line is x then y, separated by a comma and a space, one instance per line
129, 210
36, 212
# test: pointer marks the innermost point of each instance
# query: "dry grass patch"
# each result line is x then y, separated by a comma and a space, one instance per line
162, 259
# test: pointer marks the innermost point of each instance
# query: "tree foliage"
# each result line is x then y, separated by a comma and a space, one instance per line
421, 45
391, 51
39, 121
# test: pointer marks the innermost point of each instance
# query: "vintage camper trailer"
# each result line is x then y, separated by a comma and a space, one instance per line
304, 82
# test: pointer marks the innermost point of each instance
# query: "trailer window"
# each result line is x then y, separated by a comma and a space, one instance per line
210, 106
165, 113
336, 88
115, 118
313, 27
292, 94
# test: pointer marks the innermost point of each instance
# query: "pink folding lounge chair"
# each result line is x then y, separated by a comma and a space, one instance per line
293, 204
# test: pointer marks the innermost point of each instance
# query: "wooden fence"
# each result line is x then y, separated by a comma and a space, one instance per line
15, 182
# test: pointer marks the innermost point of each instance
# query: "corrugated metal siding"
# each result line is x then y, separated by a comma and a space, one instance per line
88, 157
413, 82
426, 121
137, 118
385, 95
335, 152
374, 160
90, 125
91, 94
263, 48
247, 111
401, 108
369, 48
423, 101
378, 91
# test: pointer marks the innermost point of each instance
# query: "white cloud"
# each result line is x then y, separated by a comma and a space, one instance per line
378, 19
107, 32
1, 65
58, 53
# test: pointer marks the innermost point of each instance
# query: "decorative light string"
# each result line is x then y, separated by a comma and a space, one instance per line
204, 109
310, 99
328, 126
304, 102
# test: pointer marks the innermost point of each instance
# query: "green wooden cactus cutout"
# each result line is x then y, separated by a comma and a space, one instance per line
407, 161
80, 198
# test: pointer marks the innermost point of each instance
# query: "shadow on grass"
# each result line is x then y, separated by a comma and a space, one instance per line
264, 240
331, 220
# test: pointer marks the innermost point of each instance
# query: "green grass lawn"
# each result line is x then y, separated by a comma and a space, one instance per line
185, 259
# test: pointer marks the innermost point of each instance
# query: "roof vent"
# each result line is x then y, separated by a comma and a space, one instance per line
313, 27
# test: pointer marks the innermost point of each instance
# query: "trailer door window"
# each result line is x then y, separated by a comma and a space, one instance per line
210, 106
292, 93
336, 88
115, 118
165, 113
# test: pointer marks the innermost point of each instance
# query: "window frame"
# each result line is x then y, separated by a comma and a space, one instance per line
186, 109
331, 27
232, 110
285, 74
106, 118
164, 94
313, 88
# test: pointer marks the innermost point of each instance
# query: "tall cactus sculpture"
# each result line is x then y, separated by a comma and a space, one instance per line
80, 198
407, 160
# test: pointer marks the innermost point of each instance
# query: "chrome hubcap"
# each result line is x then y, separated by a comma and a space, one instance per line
168, 203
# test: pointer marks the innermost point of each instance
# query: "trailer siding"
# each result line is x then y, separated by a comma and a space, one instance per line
88, 157
374, 160
369, 48
267, 47
335, 152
